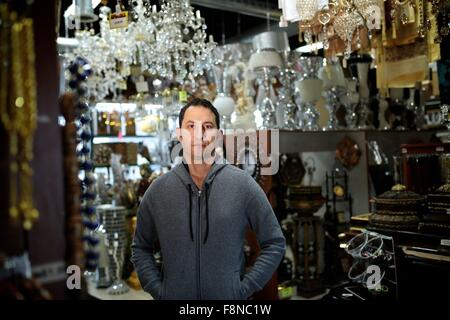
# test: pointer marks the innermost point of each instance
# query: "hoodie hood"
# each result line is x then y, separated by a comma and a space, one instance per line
182, 172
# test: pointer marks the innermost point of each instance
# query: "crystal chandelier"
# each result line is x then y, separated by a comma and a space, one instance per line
108, 56
178, 46
170, 43
344, 17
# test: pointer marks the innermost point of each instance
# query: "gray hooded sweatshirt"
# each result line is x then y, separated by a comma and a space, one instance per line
201, 235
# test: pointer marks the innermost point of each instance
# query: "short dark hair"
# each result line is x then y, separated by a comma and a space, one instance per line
203, 103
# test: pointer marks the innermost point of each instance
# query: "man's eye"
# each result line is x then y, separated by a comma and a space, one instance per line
190, 126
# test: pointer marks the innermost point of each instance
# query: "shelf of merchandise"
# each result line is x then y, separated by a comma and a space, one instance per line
115, 139
360, 186
324, 143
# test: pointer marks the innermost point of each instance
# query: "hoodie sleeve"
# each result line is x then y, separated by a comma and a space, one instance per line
263, 221
143, 250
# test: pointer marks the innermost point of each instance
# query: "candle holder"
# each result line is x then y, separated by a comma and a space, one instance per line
286, 93
309, 88
266, 106
350, 101
118, 286
334, 84
310, 91
113, 221
359, 66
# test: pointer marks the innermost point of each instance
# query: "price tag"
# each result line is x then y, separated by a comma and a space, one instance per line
285, 292
118, 20
182, 96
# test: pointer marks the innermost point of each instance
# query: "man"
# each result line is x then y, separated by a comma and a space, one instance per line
199, 212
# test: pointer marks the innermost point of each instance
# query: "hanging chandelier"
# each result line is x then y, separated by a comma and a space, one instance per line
324, 19
169, 43
345, 19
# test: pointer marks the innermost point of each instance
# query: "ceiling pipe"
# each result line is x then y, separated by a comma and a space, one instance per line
243, 7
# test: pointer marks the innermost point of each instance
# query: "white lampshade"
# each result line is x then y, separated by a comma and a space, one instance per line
277, 40
265, 58
224, 104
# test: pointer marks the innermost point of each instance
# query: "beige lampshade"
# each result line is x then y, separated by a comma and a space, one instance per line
265, 58
271, 40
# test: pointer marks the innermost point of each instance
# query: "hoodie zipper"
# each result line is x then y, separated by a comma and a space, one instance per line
199, 240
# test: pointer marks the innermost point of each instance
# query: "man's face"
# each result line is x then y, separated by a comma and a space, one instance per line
198, 133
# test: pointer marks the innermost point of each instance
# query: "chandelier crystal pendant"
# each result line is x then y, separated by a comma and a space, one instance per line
345, 25
324, 18
307, 9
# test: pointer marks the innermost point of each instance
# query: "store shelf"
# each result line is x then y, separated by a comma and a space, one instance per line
360, 131
317, 141
125, 137
325, 142
115, 139
108, 165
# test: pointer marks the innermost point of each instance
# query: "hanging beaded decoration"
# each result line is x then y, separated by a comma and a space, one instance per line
80, 70
324, 18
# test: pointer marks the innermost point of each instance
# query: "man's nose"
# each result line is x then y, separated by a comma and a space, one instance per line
199, 132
